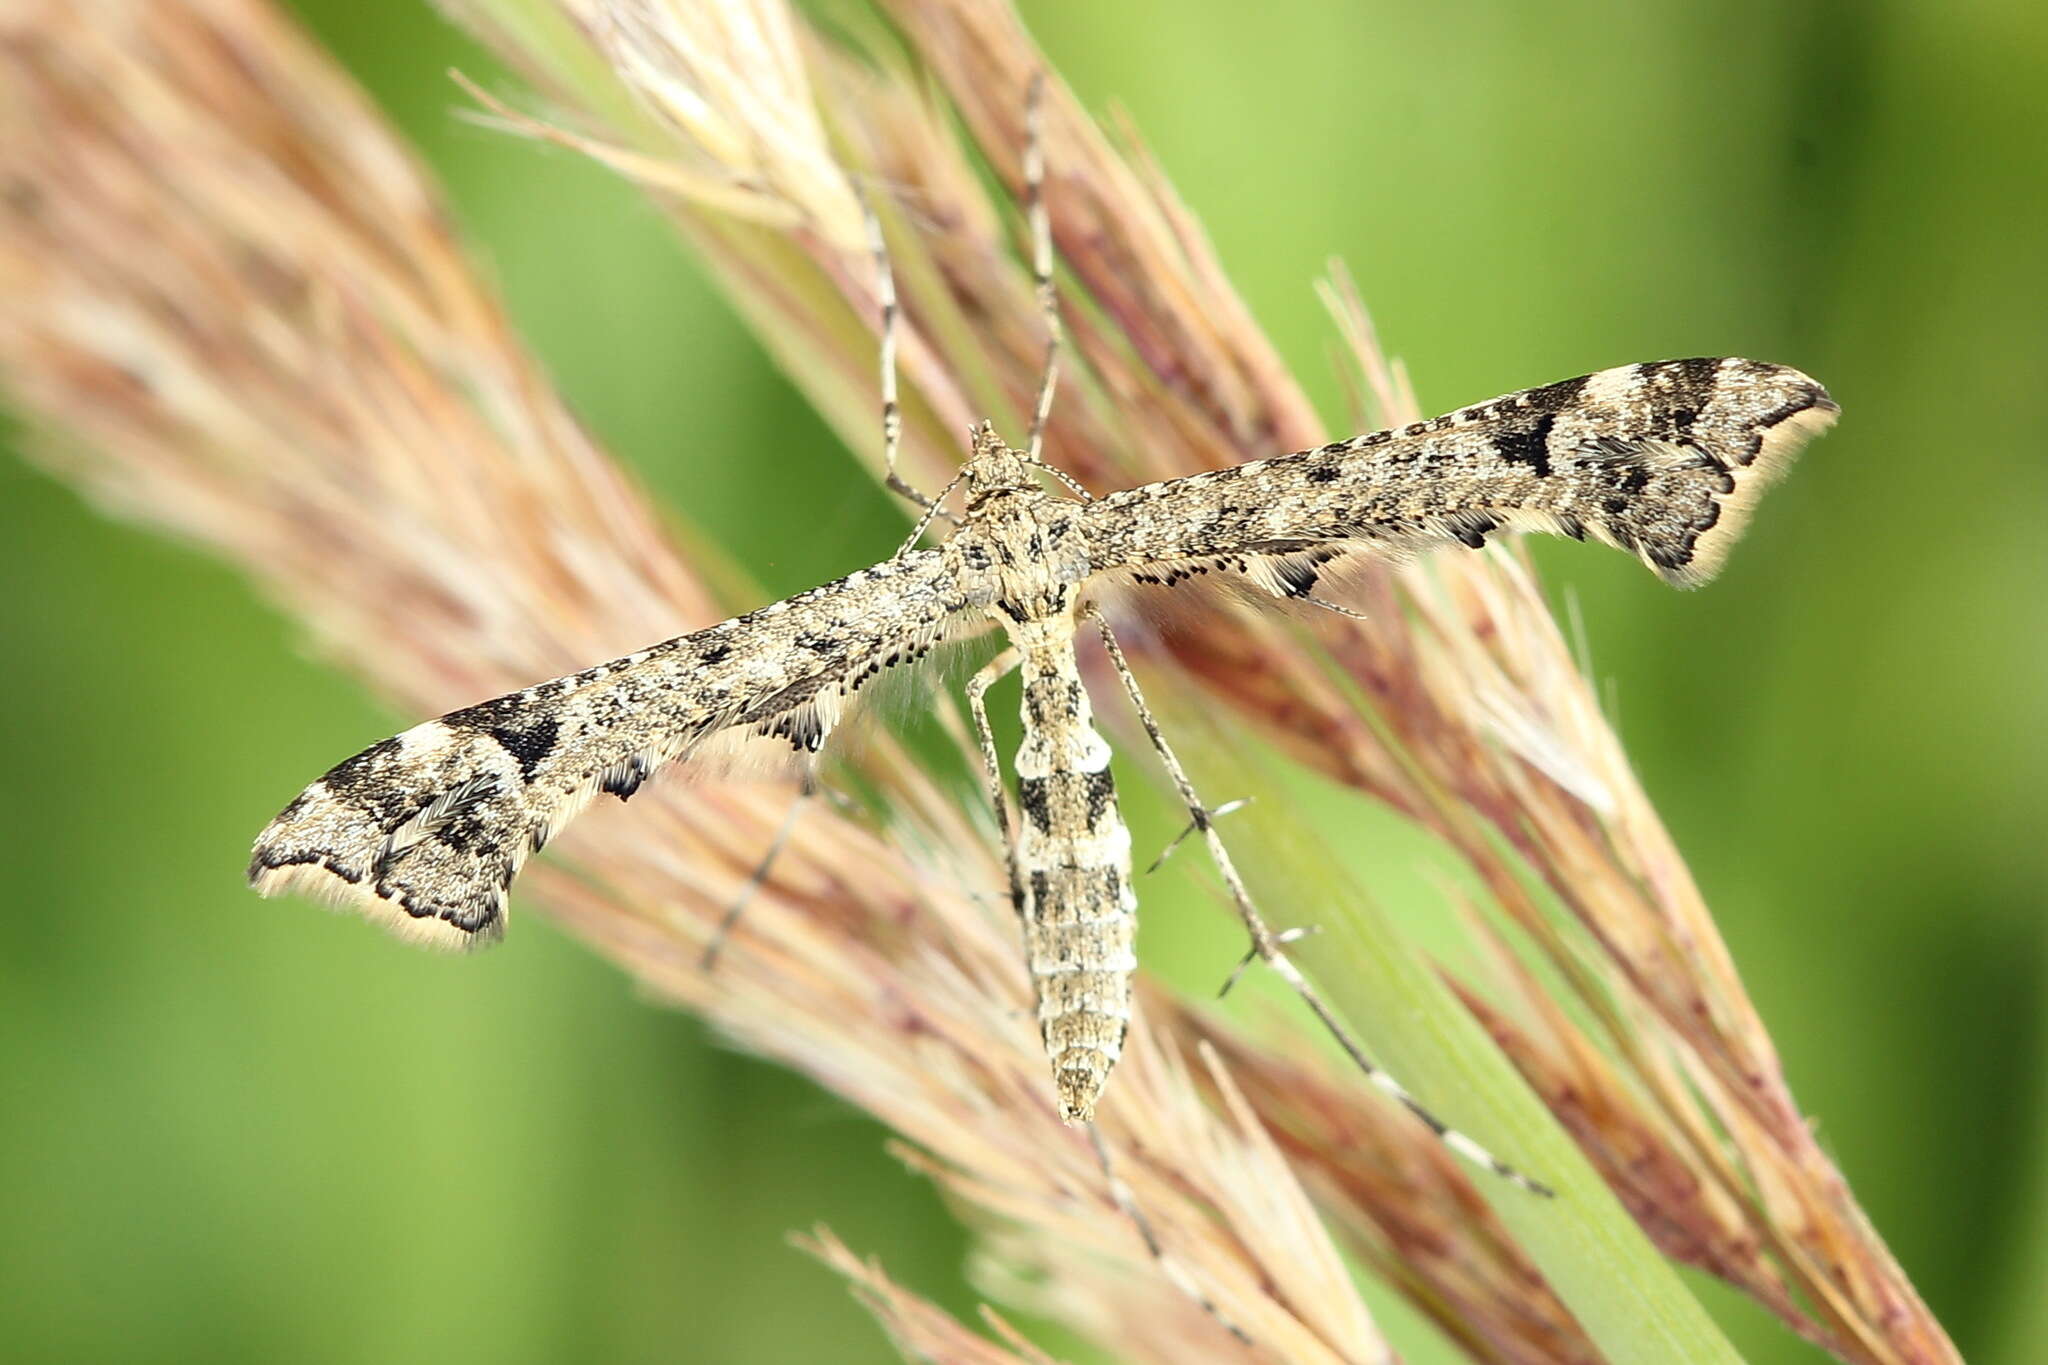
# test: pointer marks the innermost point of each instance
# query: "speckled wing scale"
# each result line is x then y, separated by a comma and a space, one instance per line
1662, 460
426, 830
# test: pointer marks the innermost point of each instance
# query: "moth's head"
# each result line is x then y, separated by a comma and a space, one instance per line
994, 469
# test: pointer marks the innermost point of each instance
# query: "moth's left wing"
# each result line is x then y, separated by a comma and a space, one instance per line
1664, 460
426, 830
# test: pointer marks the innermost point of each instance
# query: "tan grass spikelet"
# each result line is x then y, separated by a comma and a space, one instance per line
236, 311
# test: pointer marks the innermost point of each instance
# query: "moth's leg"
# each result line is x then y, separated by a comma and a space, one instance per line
1268, 946
1175, 1273
1228, 807
991, 766
1040, 223
755, 882
892, 409
1039, 219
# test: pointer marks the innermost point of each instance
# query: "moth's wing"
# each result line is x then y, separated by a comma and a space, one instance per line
1664, 460
426, 830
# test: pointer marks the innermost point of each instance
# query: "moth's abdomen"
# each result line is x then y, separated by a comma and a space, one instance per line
1074, 862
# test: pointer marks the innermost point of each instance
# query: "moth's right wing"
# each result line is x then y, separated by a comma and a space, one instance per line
1664, 460
426, 830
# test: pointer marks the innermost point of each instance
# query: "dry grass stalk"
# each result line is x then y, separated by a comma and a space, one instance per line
240, 308
236, 311
920, 1331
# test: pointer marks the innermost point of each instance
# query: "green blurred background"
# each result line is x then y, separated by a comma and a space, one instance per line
243, 1131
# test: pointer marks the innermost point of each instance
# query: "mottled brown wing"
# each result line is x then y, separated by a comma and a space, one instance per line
1664, 460
426, 830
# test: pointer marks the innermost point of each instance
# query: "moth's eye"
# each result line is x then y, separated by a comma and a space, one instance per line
977, 558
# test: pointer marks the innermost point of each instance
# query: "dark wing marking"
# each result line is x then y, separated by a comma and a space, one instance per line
425, 831
1664, 460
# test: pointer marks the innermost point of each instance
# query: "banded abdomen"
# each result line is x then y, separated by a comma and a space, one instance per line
1074, 870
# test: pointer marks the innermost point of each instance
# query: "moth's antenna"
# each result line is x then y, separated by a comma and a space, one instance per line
1073, 484
931, 510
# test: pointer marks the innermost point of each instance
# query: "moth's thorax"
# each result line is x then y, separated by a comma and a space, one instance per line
1019, 547
1027, 551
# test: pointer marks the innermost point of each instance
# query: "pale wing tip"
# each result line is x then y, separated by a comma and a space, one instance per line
318, 880
1807, 412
